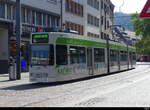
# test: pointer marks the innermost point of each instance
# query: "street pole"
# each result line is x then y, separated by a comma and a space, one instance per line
18, 37
61, 3
108, 54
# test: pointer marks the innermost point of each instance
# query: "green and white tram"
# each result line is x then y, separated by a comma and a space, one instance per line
59, 56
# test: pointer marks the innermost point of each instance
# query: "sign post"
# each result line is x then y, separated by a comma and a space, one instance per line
18, 37
146, 10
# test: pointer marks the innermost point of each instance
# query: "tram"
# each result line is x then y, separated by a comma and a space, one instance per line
60, 56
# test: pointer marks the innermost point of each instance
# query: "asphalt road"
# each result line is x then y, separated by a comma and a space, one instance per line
126, 89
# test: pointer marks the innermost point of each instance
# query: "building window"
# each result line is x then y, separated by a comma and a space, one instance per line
89, 34
58, 22
2, 10
102, 20
93, 3
102, 35
76, 27
74, 8
49, 20
14, 13
102, 5
93, 20
44, 19
53, 21
23, 14
29, 18
107, 24
67, 5
33, 17
9, 11
52, 1
39, 18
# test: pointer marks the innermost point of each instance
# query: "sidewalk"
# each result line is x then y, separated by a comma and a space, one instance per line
5, 82
143, 63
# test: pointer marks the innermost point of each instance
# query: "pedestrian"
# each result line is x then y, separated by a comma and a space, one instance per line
23, 65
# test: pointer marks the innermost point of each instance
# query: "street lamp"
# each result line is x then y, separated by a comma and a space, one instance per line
18, 37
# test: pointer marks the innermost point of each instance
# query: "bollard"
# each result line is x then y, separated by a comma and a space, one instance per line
12, 70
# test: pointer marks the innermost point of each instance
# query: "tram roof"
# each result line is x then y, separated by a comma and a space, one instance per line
81, 37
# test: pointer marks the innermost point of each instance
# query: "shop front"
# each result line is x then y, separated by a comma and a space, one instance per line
4, 52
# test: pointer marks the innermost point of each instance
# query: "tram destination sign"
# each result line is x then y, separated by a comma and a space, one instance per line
40, 38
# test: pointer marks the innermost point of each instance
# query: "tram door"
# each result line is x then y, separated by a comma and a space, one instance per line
90, 61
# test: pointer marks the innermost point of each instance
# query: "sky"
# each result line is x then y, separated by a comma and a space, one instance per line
130, 6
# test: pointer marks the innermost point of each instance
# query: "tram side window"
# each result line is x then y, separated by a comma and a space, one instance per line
117, 55
134, 56
51, 59
61, 55
77, 55
82, 55
130, 55
99, 55
113, 55
123, 56
73, 55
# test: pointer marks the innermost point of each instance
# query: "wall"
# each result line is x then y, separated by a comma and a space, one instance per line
47, 5
3, 51
94, 12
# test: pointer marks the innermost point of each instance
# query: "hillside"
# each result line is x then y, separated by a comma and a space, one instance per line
123, 20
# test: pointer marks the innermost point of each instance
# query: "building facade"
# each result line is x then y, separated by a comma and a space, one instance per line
73, 15
34, 13
91, 18
107, 13
120, 34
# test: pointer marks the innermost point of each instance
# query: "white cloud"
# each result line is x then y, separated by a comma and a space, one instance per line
130, 6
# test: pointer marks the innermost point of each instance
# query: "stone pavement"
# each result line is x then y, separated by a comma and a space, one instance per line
22, 93
5, 82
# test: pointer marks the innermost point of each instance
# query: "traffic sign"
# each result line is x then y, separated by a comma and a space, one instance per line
146, 10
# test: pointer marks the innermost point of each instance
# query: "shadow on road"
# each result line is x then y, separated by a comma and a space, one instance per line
30, 86
5, 81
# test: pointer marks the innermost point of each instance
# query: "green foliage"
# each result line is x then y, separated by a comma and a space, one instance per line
143, 46
142, 27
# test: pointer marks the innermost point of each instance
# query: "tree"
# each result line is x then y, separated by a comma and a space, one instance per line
142, 27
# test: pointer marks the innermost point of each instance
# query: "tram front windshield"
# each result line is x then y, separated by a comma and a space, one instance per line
40, 55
